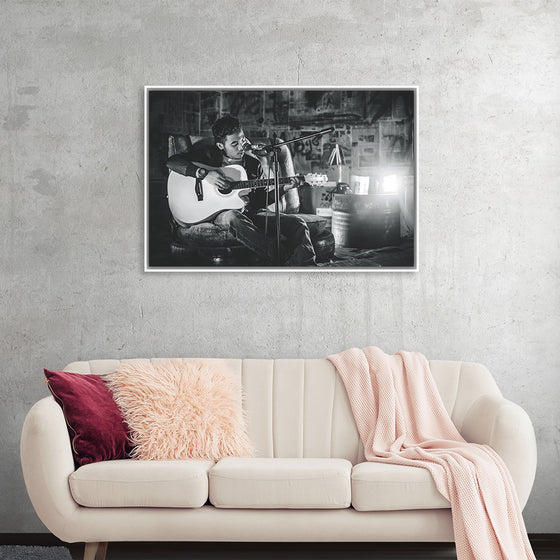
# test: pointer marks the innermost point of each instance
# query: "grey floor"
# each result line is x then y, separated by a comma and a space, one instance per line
546, 550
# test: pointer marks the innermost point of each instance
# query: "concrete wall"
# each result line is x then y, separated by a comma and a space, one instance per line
71, 172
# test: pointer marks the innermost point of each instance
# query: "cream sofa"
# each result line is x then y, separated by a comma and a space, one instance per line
308, 481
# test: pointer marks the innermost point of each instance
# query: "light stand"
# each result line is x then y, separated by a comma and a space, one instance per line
336, 158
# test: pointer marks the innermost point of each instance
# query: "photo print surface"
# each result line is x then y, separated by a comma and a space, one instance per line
302, 179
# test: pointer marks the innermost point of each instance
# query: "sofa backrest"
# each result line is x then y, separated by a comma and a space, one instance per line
299, 407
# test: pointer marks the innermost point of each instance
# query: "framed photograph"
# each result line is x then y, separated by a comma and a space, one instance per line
281, 179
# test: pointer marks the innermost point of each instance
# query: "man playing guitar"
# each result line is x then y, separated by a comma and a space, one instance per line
246, 224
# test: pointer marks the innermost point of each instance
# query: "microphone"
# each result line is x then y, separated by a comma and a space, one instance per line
263, 150
257, 149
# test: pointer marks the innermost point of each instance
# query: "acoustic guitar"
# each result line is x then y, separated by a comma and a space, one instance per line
192, 201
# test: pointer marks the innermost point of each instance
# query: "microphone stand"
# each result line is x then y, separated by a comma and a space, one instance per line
274, 149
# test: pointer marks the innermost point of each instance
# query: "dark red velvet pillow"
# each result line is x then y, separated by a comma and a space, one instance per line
95, 423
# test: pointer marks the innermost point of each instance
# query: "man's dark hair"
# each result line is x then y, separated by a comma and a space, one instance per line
224, 126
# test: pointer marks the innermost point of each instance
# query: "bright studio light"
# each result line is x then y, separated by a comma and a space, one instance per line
390, 184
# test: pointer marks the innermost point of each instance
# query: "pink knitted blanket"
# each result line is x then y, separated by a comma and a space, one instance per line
401, 420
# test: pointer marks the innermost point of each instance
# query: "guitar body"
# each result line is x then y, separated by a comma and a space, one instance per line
190, 207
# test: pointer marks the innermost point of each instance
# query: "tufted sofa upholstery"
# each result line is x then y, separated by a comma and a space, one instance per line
308, 481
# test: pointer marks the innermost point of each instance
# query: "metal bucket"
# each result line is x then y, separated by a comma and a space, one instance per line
366, 221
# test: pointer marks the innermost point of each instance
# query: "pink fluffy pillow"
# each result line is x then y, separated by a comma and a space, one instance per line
181, 409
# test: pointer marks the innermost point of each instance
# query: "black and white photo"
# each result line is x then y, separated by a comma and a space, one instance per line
341, 162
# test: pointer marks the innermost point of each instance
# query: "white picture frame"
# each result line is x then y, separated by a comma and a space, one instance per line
374, 137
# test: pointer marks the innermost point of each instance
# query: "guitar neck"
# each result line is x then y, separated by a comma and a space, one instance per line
259, 183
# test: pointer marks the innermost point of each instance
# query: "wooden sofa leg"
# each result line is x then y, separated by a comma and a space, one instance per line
95, 551
90, 551
102, 551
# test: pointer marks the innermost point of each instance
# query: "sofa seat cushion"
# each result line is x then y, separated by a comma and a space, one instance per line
136, 483
280, 483
381, 487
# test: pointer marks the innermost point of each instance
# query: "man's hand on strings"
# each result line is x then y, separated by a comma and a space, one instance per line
296, 181
219, 180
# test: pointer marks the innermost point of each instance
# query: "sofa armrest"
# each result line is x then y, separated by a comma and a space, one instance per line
506, 427
47, 461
